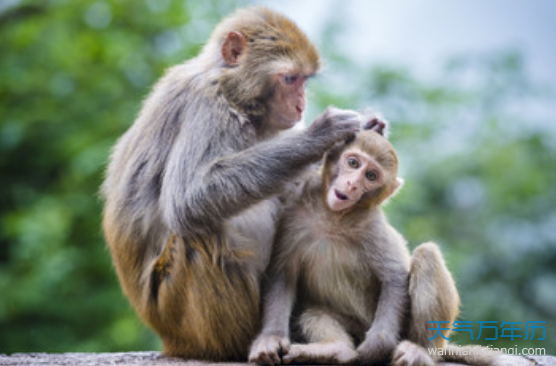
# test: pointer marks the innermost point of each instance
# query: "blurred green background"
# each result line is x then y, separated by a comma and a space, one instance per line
477, 152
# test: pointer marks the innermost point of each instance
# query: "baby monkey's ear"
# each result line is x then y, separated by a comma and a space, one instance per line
375, 122
393, 189
397, 186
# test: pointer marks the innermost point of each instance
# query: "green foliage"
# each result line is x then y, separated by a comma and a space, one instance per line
72, 76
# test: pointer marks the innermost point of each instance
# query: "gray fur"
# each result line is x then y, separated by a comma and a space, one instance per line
190, 210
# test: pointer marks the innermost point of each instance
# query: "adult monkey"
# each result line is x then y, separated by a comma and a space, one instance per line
190, 208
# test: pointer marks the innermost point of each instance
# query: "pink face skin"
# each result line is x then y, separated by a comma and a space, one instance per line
288, 103
358, 173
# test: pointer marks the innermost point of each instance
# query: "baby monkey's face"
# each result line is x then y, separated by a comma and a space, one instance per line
357, 174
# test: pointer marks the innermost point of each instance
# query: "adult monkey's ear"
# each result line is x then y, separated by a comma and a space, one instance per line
234, 46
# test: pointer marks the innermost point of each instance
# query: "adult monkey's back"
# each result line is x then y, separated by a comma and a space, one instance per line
190, 209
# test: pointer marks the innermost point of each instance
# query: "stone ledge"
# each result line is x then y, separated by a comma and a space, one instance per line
151, 359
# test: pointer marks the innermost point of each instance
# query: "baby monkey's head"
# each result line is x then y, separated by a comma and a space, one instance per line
361, 173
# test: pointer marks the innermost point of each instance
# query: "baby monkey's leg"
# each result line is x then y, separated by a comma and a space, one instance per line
328, 340
434, 297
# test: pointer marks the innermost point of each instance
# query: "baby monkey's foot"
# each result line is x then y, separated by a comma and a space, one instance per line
338, 353
410, 354
267, 349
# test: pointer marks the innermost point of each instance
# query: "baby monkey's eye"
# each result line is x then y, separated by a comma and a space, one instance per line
371, 175
290, 79
353, 163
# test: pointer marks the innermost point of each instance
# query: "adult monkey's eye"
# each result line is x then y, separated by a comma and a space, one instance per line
371, 175
353, 163
290, 79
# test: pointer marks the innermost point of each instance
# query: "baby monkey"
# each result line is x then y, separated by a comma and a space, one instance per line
340, 274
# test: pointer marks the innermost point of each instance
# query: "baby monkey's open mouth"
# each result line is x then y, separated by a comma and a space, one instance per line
340, 195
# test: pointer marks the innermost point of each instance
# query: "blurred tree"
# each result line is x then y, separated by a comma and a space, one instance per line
72, 76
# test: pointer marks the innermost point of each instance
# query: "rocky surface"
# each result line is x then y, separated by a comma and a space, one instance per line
157, 359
